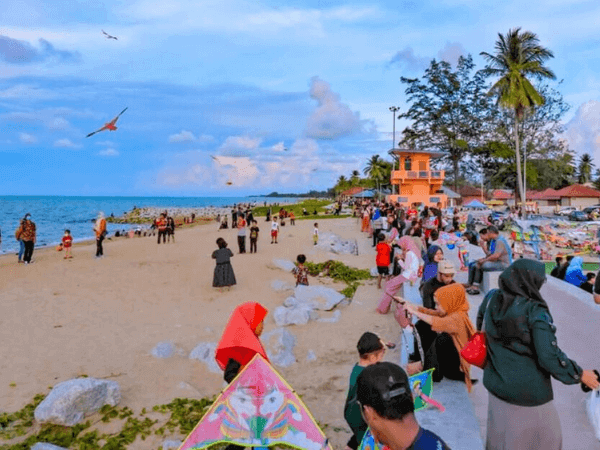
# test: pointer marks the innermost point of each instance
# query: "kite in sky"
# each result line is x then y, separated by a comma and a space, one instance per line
108, 36
228, 182
111, 126
258, 409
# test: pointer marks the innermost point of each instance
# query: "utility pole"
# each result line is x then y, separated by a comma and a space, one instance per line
394, 109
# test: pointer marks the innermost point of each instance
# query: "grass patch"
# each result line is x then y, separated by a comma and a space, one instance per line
296, 208
184, 414
338, 271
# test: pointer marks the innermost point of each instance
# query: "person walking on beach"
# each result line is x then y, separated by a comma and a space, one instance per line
170, 229
223, 276
254, 230
522, 357
161, 225
316, 234
28, 236
100, 230
274, 230
18, 234
241, 226
292, 218
67, 242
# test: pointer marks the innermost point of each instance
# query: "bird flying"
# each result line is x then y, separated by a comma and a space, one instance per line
108, 36
111, 126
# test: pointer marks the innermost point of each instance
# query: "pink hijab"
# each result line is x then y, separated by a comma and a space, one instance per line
407, 244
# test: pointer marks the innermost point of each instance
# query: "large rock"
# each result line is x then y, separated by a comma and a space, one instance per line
337, 314
46, 446
319, 297
205, 352
333, 243
69, 401
279, 285
299, 314
279, 344
284, 264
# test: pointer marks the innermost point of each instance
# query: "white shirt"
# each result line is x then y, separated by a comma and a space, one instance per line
274, 226
316, 231
410, 265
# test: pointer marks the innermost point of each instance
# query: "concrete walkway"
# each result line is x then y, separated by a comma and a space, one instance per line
576, 318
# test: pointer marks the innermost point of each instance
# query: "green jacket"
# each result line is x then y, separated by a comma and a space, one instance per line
352, 412
522, 352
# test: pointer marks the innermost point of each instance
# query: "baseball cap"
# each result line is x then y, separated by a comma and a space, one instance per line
369, 343
446, 267
385, 387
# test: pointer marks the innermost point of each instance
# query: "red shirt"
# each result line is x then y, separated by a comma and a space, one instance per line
383, 254
67, 240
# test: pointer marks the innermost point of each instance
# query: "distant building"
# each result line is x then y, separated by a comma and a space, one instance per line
579, 196
470, 193
415, 180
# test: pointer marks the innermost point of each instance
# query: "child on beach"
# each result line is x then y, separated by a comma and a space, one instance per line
370, 351
292, 218
316, 234
300, 271
67, 242
274, 230
253, 236
224, 276
383, 259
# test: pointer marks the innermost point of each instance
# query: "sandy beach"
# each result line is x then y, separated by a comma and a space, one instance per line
62, 319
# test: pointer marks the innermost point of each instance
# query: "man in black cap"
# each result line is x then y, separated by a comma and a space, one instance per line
388, 408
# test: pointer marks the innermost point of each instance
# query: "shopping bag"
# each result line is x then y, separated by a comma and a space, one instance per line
475, 351
593, 411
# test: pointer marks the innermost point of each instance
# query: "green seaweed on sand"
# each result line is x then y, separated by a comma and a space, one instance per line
338, 271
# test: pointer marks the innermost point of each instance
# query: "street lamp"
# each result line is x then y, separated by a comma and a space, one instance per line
394, 109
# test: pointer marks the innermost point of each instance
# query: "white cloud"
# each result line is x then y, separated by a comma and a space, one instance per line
332, 119
27, 138
205, 138
108, 152
58, 123
407, 59
27, 92
451, 52
239, 146
195, 175
66, 143
583, 130
241, 171
183, 136
279, 147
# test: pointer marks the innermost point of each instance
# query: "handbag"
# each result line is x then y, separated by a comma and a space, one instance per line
475, 351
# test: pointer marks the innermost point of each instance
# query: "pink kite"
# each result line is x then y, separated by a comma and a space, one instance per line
258, 409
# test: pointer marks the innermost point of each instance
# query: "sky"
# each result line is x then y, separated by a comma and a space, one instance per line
241, 97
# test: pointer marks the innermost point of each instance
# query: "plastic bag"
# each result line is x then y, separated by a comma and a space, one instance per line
593, 411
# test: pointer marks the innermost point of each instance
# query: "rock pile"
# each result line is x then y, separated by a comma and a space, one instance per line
302, 307
333, 243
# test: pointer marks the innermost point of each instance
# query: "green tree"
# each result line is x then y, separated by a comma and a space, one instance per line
448, 109
597, 179
585, 168
355, 178
518, 56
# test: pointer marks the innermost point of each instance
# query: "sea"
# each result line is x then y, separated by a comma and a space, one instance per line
53, 214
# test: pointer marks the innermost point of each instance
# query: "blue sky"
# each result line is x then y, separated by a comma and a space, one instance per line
286, 95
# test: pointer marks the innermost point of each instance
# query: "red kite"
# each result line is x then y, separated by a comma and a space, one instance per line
108, 36
111, 126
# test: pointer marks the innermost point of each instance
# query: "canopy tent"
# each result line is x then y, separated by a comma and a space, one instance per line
258, 409
367, 193
475, 204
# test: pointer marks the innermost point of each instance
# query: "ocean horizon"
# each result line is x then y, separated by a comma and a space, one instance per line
53, 214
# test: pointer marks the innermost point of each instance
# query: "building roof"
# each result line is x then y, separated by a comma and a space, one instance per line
578, 190
502, 194
353, 190
450, 193
548, 194
432, 154
469, 191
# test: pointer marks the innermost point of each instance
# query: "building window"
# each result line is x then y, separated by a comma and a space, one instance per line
434, 199
407, 163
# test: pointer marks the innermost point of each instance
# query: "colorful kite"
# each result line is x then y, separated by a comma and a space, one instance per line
421, 385
111, 126
258, 409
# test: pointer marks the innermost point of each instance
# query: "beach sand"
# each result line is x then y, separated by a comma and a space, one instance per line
62, 319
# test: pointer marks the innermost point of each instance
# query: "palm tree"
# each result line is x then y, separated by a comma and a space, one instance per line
355, 177
372, 164
518, 55
585, 168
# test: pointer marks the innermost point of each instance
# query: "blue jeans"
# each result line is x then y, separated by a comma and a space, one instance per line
476, 272
21, 249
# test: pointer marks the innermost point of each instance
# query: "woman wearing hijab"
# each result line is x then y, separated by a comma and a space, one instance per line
100, 230
452, 330
28, 236
240, 340
574, 273
409, 261
432, 258
522, 356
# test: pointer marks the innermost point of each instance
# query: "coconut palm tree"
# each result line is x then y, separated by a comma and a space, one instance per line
585, 168
355, 177
518, 55
372, 165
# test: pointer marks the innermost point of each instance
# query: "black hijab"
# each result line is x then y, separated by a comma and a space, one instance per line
523, 278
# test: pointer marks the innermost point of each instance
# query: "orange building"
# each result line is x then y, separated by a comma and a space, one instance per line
415, 180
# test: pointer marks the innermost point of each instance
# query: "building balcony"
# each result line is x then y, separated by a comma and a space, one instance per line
400, 176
